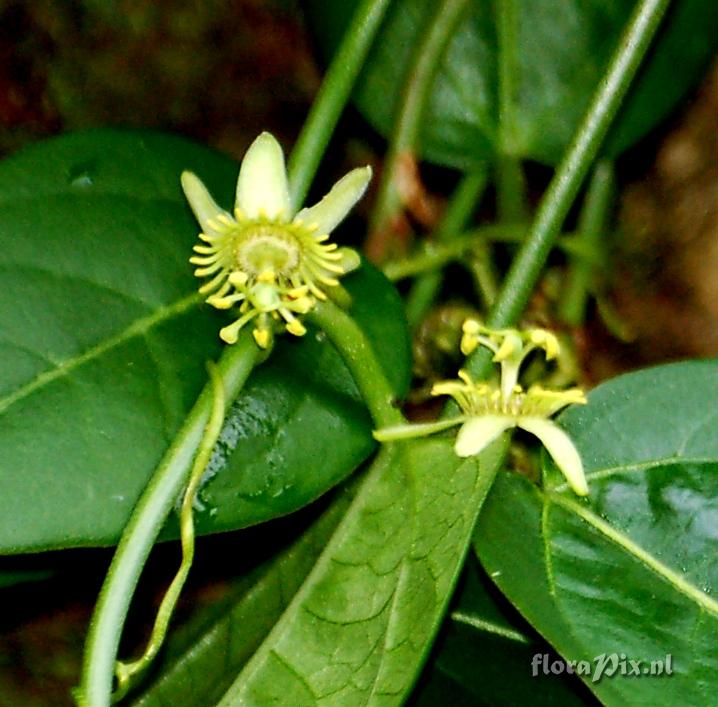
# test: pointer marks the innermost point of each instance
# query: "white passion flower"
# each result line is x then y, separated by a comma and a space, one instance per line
272, 263
487, 411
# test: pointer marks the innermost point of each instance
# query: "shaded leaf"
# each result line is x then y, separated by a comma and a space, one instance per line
517, 75
10, 579
484, 656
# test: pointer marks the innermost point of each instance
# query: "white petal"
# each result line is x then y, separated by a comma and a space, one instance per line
477, 433
561, 448
202, 203
338, 202
350, 260
262, 184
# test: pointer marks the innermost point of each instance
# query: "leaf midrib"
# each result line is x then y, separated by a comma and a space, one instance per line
137, 328
673, 578
402, 573
493, 628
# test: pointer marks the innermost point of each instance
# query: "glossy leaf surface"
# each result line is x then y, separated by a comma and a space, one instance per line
359, 628
517, 75
103, 341
632, 571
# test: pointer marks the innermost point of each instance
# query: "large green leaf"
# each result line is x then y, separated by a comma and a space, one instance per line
517, 75
103, 341
632, 570
361, 624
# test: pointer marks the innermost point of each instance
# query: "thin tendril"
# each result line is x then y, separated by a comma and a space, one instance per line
124, 672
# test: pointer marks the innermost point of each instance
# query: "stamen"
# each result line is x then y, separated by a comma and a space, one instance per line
209, 270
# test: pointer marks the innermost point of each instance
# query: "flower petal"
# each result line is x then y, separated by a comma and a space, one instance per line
338, 202
560, 446
205, 208
349, 261
262, 188
541, 402
477, 433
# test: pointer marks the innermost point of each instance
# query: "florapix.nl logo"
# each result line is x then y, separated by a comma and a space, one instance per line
606, 665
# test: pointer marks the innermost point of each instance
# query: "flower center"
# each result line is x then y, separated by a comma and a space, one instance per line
268, 248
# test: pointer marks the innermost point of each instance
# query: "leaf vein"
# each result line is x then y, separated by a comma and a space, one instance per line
137, 328
350, 622
477, 622
293, 671
679, 583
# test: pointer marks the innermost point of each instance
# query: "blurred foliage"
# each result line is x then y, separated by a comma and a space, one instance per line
219, 71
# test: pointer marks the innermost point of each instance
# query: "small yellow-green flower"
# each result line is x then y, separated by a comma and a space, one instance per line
510, 347
272, 263
486, 415
487, 411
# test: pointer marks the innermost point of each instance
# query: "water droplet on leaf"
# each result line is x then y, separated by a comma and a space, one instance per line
81, 176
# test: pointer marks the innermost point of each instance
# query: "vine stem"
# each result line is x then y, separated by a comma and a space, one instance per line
555, 204
424, 64
124, 671
146, 521
510, 182
359, 356
457, 214
434, 256
592, 224
332, 97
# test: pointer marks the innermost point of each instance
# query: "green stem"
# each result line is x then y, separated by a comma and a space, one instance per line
144, 525
531, 258
458, 212
126, 671
436, 255
359, 356
510, 190
415, 429
592, 224
481, 265
333, 96
425, 61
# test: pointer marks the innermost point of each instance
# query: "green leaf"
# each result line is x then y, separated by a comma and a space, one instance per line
103, 340
211, 659
358, 630
484, 653
517, 75
10, 579
632, 570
